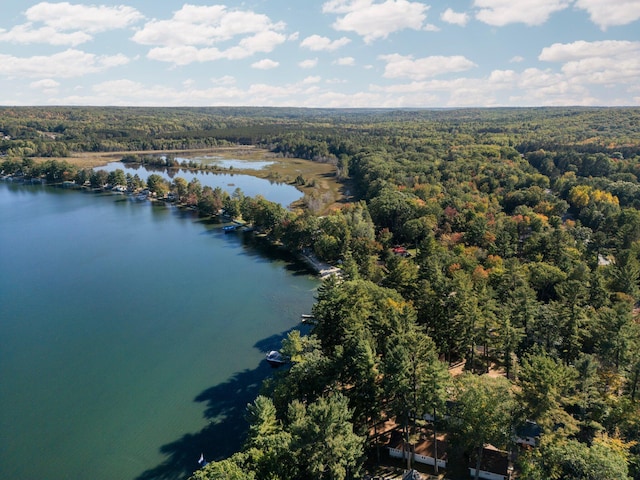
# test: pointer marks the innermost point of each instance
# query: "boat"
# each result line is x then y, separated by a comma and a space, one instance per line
275, 358
230, 228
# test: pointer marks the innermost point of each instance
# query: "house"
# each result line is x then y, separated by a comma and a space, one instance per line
528, 434
401, 251
449, 407
494, 465
423, 451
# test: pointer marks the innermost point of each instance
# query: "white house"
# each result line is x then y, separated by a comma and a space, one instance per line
421, 452
494, 465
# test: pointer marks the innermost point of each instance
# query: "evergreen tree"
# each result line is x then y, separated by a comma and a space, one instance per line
323, 443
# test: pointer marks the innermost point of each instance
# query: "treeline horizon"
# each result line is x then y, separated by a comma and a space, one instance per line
60, 131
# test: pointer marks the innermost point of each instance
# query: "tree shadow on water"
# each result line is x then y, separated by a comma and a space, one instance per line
274, 342
225, 409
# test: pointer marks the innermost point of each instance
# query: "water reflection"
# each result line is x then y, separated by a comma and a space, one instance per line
222, 162
278, 192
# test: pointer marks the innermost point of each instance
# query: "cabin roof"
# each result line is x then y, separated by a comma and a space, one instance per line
425, 446
493, 460
529, 429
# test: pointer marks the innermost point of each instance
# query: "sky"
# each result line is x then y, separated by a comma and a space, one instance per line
324, 53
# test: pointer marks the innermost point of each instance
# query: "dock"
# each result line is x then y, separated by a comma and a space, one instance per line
324, 270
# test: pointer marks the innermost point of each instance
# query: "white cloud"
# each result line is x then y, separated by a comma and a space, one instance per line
193, 31
224, 80
67, 24
27, 34
503, 77
76, 64
500, 87
584, 65
283, 95
47, 86
373, 20
313, 79
183, 55
608, 62
346, 61
317, 43
516, 59
544, 87
265, 64
531, 86
347, 100
430, 27
400, 66
128, 92
270, 93
455, 18
601, 70
606, 13
562, 52
90, 18
530, 12
261, 42
125, 91
309, 63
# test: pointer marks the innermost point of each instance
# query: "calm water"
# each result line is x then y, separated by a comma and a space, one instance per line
223, 162
251, 186
132, 336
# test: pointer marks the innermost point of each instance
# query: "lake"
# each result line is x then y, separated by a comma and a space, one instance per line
132, 335
251, 186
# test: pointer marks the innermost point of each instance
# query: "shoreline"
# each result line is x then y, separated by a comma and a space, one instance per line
98, 159
320, 180
322, 269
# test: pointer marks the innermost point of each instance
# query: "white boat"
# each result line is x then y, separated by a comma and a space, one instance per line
275, 358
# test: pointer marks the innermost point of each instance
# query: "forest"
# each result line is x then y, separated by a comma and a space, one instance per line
490, 279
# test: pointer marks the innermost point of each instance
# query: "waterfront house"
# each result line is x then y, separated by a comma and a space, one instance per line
494, 465
423, 451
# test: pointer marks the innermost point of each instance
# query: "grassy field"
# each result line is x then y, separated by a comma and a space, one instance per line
320, 179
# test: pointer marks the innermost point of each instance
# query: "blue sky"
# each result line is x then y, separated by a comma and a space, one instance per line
332, 53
